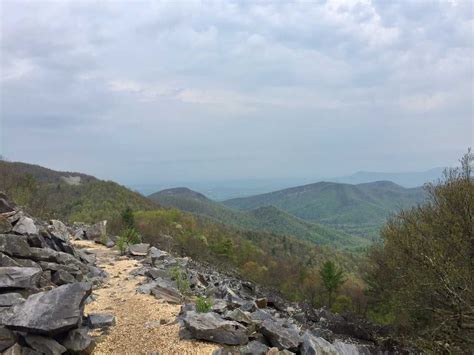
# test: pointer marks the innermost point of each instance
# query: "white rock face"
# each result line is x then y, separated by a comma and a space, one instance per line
25, 226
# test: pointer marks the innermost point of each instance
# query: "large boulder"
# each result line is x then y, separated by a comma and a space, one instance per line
140, 249
14, 245
25, 226
51, 312
59, 230
19, 277
44, 345
313, 345
254, 348
5, 205
210, 326
280, 336
96, 232
100, 320
166, 291
78, 341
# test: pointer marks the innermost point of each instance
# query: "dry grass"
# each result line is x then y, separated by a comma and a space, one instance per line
138, 317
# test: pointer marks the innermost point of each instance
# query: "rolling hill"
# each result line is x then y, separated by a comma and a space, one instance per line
359, 209
67, 195
265, 218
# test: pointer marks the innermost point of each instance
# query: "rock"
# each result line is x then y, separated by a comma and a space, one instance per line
312, 345
5, 205
254, 348
10, 299
85, 257
62, 277
166, 291
239, 316
219, 306
156, 273
248, 306
14, 245
59, 230
5, 225
7, 338
44, 345
259, 316
26, 263
5, 260
37, 241
100, 320
261, 302
280, 337
209, 326
50, 312
155, 255
19, 277
15, 349
78, 341
25, 225
140, 249
110, 244
97, 231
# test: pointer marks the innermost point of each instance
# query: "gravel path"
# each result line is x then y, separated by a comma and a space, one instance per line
143, 323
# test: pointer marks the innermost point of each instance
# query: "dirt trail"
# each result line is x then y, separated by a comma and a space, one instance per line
138, 317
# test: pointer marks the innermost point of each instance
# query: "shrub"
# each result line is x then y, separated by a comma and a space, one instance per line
127, 237
181, 278
203, 304
122, 245
342, 304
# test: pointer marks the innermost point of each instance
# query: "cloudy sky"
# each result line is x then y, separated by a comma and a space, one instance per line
144, 92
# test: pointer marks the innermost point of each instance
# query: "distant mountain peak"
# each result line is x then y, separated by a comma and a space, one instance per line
180, 192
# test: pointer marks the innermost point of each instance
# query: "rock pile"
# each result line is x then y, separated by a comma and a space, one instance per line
44, 284
243, 317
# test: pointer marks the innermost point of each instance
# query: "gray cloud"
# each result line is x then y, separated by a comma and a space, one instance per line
143, 91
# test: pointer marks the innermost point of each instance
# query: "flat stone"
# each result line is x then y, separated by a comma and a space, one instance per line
210, 326
25, 226
15, 349
5, 205
166, 291
10, 299
50, 312
140, 249
19, 277
14, 245
100, 320
59, 230
5, 260
44, 345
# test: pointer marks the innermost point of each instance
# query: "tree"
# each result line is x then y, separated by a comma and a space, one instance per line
128, 218
332, 277
421, 277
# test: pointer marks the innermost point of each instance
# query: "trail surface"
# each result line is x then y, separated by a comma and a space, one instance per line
144, 324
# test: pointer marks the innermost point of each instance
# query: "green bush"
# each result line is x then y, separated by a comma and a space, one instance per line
127, 237
181, 278
203, 304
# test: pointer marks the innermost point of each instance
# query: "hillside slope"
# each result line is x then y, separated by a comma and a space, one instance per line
350, 207
67, 195
266, 218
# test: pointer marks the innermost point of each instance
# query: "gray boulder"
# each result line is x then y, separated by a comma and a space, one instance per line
19, 277
156, 255
7, 338
166, 291
59, 230
140, 249
254, 348
50, 312
15, 349
14, 245
211, 327
5, 205
100, 320
279, 336
5, 260
10, 299
313, 345
155, 273
78, 341
44, 345
25, 226
62, 277
96, 232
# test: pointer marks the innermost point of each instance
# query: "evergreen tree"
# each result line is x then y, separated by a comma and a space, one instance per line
332, 277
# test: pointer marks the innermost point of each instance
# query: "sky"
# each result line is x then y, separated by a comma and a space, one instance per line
152, 91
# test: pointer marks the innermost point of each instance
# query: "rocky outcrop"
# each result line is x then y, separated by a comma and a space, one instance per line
44, 283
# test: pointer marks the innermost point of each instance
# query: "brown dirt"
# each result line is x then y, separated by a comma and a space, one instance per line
138, 317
